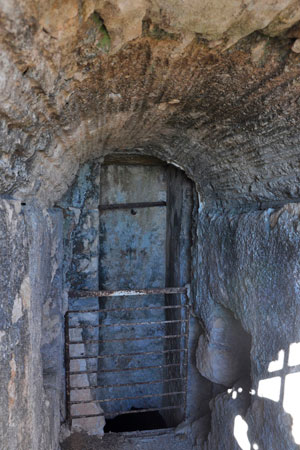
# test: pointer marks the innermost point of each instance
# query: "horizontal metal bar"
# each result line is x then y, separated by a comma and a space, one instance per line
119, 413
104, 386
125, 355
85, 416
127, 369
132, 205
139, 308
107, 400
91, 341
129, 324
125, 292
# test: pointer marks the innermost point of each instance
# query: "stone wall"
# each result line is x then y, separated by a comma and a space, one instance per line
214, 90
249, 286
174, 83
247, 292
31, 327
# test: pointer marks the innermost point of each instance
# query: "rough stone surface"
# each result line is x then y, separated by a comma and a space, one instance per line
212, 87
142, 441
296, 46
31, 328
172, 85
223, 352
227, 408
250, 265
15, 363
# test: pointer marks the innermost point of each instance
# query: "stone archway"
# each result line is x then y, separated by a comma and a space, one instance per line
136, 249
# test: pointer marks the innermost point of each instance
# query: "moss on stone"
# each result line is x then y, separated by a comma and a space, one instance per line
104, 42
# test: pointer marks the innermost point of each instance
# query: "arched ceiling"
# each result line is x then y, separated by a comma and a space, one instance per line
212, 86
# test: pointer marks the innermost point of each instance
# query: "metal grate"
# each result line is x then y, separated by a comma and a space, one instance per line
173, 333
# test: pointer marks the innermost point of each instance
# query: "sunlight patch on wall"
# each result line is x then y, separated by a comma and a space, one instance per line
270, 388
294, 354
285, 386
240, 432
278, 364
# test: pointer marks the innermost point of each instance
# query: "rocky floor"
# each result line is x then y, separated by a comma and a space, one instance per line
164, 440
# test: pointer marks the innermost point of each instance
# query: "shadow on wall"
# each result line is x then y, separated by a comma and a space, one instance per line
281, 389
223, 351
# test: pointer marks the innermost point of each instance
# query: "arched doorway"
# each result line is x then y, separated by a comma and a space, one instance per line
127, 350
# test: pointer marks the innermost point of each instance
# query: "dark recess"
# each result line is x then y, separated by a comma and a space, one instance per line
151, 420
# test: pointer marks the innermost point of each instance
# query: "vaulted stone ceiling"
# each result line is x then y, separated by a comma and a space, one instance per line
210, 85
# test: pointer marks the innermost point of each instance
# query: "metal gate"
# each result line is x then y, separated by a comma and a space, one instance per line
173, 331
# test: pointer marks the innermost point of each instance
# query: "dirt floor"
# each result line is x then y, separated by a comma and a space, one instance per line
157, 440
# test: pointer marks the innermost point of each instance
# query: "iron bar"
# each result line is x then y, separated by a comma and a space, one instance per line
127, 369
132, 205
105, 400
119, 413
125, 324
140, 308
186, 343
105, 386
67, 369
181, 349
90, 341
125, 292
121, 355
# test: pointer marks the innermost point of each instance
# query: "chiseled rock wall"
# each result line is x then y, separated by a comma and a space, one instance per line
210, 86
30, 327
80, 79
249, 267
248, 286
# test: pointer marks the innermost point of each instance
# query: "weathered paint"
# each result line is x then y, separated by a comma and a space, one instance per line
132, 256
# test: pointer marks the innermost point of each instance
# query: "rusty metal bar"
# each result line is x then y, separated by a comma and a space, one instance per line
121, 355
127, 369
91, 341
125, 324
186, 339
119, 413
67, 369
78, 388
105, 400
125, 292
85, 416
131, 205
139, 308
181, 349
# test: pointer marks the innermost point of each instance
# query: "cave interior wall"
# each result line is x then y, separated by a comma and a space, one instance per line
219, 102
